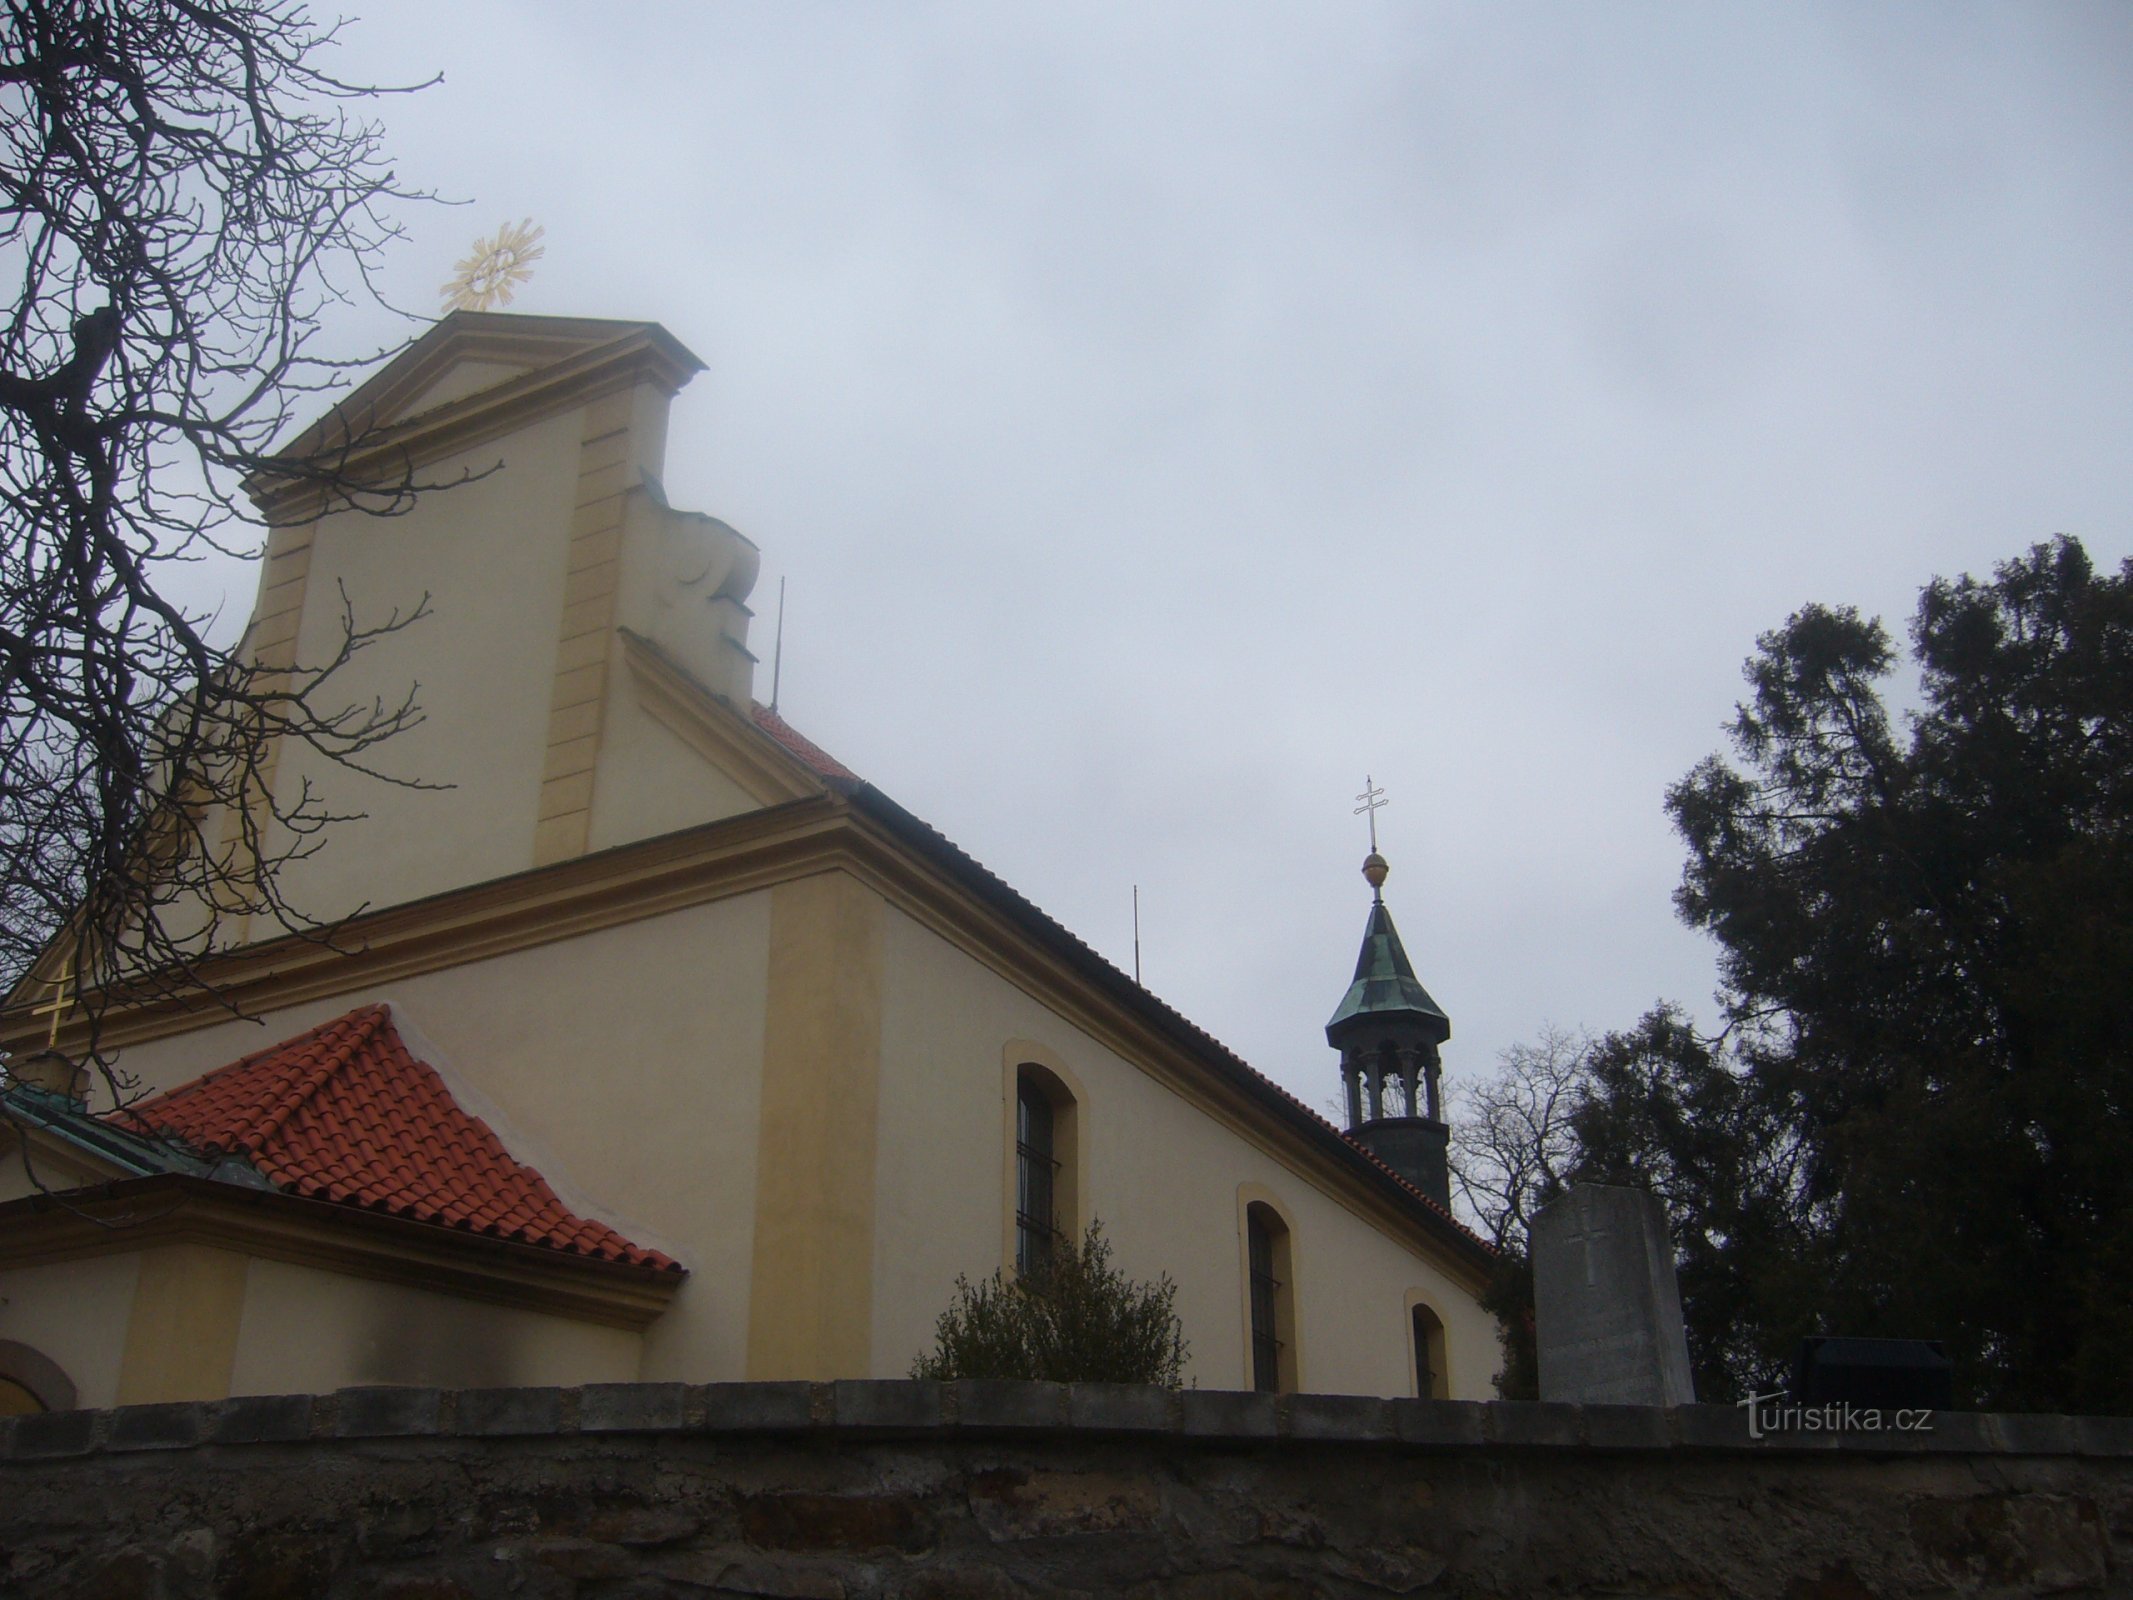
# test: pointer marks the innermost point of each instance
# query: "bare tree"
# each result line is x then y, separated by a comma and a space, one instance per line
185, 194
1512, 1141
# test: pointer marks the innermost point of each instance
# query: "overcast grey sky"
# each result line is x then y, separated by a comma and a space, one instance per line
1165, 414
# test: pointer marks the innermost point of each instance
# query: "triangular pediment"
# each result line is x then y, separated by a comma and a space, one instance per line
475, 374
469, 352
467, 375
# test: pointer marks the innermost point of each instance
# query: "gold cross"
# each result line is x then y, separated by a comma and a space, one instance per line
60, 1003
1373, 796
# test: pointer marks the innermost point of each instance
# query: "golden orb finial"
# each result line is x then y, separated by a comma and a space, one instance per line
1375, 871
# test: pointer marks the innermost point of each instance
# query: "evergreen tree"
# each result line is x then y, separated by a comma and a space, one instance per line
1916, 1120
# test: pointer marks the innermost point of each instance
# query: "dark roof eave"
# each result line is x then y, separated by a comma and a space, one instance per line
944, 853
72, 1123
335, 1213
1368, 999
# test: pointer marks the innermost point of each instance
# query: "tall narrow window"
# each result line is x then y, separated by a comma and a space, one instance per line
1430, 1382
1041, 1153
1266, 1342
1264, 1239
1036, 1176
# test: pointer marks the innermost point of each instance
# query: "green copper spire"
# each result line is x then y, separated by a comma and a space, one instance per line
1385, 987
1387, 1030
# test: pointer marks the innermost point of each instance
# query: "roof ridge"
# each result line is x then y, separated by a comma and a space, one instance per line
316, 1078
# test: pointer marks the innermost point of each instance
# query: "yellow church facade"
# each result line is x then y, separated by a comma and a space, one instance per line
656, 1045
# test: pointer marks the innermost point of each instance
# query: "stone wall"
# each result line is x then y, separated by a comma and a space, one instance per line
974, 1491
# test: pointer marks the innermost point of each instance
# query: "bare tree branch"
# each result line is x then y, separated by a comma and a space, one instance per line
185, 198
1512, 1140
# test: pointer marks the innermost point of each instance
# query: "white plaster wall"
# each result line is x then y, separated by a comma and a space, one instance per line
624, 1065
648, 782
44, 1171
629, 1062
490, 556
307, 1331
684, 584
75, 1313
1163, 1176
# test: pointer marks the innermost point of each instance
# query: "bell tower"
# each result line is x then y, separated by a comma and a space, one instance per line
1387, 1029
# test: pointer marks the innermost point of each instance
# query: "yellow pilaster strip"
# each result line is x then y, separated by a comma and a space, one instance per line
579, 694
810, 1298
271, 642
181, 1339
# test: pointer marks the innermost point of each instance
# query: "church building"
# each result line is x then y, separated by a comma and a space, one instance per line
656, 1044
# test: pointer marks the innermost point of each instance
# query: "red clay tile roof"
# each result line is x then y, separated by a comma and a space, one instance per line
346, 1113
812, 756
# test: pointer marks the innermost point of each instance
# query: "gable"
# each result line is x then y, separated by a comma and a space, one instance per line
472, 376
347, 1114
465, 352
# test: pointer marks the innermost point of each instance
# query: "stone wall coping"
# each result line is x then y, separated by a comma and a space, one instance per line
970, 1409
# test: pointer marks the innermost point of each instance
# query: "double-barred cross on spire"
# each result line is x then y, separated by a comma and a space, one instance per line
1373, 798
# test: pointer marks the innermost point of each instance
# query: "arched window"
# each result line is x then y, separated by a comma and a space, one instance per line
1394, 1095
1036, 1173
1041, 1102
1273, 1298
31, 1381
1431, 1380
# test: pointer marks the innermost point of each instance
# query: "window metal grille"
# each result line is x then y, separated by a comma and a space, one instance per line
1036, 1179
1266, 1299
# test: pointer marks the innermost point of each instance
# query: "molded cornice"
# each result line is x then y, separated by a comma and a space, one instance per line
851, 829
142, 1213
366, 439
712, 728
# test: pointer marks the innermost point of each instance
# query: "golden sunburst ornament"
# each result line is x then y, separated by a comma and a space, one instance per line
494, 269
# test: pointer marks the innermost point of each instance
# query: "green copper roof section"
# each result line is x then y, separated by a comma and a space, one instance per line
1385, 985
134, 1154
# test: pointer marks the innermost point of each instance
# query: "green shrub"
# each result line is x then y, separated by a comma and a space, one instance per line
1075, 1320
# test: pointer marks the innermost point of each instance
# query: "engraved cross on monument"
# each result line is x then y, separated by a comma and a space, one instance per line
1606, 1306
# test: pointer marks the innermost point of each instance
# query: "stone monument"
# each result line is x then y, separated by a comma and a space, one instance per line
1607, 1311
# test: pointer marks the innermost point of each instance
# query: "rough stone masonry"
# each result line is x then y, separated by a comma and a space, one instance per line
969, 1491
